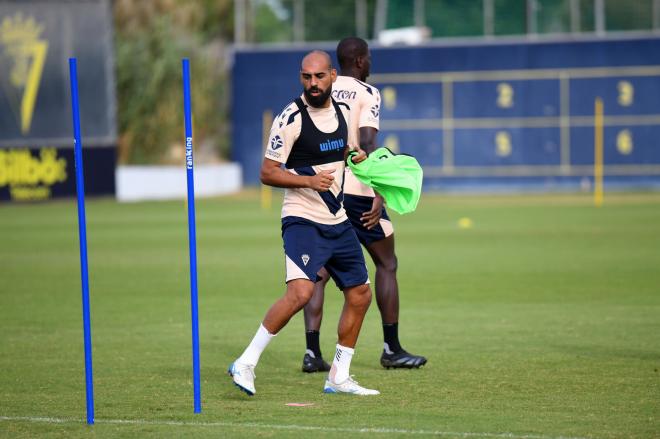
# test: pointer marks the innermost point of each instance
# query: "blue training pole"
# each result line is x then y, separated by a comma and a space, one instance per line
192, 240
82, 233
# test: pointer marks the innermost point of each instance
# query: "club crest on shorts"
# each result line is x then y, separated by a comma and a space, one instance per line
305, 259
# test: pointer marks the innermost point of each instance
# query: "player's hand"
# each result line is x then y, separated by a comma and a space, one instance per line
322, 181
360, 156
371, 217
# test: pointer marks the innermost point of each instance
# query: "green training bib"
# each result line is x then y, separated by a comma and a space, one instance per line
397, 177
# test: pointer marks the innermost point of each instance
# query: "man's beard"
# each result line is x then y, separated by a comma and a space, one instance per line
319, 100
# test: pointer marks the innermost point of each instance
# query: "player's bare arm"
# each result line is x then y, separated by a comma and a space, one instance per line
368, 139
371, 217
272, 174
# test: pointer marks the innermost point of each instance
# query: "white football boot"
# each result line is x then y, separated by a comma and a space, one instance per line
349, 386
243, 376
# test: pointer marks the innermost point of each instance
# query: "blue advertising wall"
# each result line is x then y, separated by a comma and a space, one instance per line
487, 115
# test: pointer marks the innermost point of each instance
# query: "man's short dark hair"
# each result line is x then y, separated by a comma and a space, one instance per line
349, 49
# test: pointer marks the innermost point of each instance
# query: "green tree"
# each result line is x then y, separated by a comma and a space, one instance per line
329, 22
151, 38
454, 18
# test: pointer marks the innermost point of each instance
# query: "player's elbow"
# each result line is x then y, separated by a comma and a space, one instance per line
265, 176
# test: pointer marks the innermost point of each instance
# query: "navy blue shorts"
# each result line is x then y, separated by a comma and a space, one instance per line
355, 206
308, 246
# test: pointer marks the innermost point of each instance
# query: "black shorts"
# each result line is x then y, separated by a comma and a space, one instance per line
355, 206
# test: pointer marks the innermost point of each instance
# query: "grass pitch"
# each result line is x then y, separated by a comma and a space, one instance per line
540, 318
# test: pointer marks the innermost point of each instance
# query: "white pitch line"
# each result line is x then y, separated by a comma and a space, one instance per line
293, 427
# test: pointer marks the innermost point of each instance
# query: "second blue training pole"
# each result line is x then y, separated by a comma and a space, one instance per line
192, 239
82, 235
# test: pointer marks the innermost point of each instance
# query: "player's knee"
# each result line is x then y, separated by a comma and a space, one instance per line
299, 293
389, 264
360, 296
314, 306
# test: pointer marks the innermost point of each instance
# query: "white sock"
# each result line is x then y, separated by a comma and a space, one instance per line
341, 365
256, 347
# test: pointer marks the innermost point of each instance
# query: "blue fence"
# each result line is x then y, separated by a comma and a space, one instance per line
487, 115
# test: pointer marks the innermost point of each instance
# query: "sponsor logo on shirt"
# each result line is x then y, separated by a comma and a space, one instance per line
276, 143
343, 95
332, 145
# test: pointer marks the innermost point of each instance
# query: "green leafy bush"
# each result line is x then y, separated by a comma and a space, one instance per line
152, 37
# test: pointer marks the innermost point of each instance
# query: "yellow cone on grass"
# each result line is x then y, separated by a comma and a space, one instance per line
465, 223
